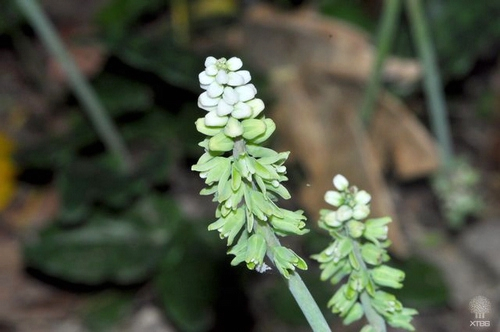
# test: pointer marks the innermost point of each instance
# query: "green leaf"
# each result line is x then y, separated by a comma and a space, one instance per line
104, 311
186, 282
104, 250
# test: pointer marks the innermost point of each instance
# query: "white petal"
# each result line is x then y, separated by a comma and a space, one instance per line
223, 108
246, 92
230, 96
235, 79
245, 74
221, 77
334, 198
210, 61
257, 106
340, 182
205, 79
215, 90
205, 100
234, 63
241, 111
211, 70
362, 197
212, 119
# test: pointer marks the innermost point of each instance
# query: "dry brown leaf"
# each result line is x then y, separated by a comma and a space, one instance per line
319, 123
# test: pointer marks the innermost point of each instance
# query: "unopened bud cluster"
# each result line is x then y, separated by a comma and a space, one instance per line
357, 254
246, 183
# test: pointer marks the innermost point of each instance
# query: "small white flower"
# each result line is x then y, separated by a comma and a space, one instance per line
207, 103
230, 96
344, 213
205, 80
215, 90
238, 78
222, 77
213, 120
362, 197
360, 211
257, 106
334, 198
234, 64
241, 111
340, 182
224, 108
332, 220
209, 61
246, 92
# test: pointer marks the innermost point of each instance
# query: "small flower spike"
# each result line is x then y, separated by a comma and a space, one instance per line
356, 255
244, 177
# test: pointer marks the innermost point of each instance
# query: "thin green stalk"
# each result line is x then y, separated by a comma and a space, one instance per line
295, 283
371, 315
297, 287
432, 80
387, 28
85, 94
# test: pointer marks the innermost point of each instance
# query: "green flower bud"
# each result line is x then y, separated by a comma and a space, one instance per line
362, 197
402, 319
253, 128
285, 259
239, 250
230, 225
291, 223
376, 229
256, 250
355, 228
220, 142
233, 128
354, 314
340, 303
373, 254
331, 219
206, 130
270, 128
368, 328
388, 276
358, 280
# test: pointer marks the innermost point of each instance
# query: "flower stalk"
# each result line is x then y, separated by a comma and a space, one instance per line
245, 179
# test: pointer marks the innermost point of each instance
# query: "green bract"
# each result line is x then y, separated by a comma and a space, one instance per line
243, 176
357, 254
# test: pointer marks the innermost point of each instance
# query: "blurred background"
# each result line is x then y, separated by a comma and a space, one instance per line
101, 224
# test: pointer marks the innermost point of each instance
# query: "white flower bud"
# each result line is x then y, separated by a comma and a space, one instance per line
230, 96
211, 70
332, 220
234, 64
246, 92
209, 61
212, 119
235, 79
221, 77
340, 182
207, 103
257, 106
215, 90
334, 198
205, 80
360, 211
344, 213
223, 108
362, 197
241, 111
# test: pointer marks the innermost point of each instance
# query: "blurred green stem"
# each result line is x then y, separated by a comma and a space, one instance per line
387, 28
432, 80
83, 91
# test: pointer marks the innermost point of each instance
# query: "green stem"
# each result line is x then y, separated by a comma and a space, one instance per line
392, 9
295, 283
432, 80
85, 94
372, 316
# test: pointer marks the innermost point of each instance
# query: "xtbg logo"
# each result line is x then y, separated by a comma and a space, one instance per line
479, 306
